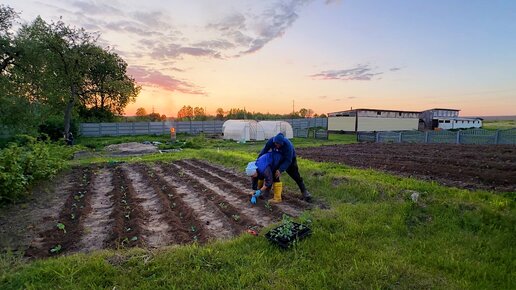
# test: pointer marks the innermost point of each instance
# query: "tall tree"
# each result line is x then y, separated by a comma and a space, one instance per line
74, 49
107, 87
219, 114
141, 112
303, 112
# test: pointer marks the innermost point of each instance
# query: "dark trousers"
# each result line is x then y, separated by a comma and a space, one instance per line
293, 171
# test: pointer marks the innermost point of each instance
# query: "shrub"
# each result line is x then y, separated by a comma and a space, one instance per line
53, 127
22, 165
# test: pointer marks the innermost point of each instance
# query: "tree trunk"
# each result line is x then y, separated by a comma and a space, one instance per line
68, 110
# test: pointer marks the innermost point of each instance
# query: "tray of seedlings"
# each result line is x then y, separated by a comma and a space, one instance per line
287, 233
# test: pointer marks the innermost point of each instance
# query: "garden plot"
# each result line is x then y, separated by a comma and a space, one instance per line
468, 166
148, 205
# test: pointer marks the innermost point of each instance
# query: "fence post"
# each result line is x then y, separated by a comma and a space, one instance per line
377, 137
497, 136
132, 129
117, 129
426, 137
100, 129
399, 138
458, 137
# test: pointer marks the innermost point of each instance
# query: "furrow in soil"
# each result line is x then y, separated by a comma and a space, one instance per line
184, 226
127, 213
66, 232
21, 225
237, 197
98, 224
204, 204
156, 228
290, 205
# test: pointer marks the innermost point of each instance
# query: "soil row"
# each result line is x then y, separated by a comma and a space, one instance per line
153, 205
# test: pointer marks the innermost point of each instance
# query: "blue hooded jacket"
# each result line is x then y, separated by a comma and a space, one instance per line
286, 150
266, 164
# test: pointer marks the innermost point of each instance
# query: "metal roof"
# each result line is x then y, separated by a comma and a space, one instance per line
443, 109
375, 110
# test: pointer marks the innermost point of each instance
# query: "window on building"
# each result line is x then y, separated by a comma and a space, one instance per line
441, 121
378, 113
447, 121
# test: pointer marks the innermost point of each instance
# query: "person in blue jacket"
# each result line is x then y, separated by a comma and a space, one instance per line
262, 175
288, 162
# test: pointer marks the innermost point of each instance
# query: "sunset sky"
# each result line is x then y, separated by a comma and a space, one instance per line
324, 55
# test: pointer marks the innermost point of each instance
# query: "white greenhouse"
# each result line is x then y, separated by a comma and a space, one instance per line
242, 130
272, 128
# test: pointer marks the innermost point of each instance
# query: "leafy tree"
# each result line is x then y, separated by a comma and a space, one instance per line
303, 112
219, 114
8, 51
186, 112
107, 87
49, 70
199, 114
154, 117
140, 112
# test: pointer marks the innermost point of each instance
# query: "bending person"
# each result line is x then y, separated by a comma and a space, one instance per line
262, 176
288, 161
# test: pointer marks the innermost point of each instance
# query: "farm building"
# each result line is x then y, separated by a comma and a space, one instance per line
447, 119
242, 130
272, 128
364, 120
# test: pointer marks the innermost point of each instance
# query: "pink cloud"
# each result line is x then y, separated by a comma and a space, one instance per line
157, 79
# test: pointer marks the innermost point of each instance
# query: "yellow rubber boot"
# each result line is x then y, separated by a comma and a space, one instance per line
260, 183
277, 188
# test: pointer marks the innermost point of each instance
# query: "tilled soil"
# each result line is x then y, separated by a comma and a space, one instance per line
145, 205
490, 167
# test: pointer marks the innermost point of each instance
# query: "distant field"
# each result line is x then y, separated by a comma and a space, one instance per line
500, 124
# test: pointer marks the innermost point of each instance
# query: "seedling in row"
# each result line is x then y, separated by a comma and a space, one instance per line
236, 217
61, 226
55, 249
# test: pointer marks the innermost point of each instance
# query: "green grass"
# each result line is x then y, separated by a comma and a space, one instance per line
374, 236
499, 124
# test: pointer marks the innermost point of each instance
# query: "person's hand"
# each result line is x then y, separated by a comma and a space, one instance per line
277, 174
253, 199
257, 193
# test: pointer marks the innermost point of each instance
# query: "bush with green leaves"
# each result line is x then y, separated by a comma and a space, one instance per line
22, 164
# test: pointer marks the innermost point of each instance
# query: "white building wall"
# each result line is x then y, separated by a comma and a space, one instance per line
387, 124
341, 124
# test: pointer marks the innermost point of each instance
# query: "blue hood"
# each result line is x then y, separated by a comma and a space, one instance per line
280, 139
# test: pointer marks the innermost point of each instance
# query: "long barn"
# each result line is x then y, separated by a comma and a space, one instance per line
364, 120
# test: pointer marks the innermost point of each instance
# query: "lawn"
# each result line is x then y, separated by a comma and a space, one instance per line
373, 236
